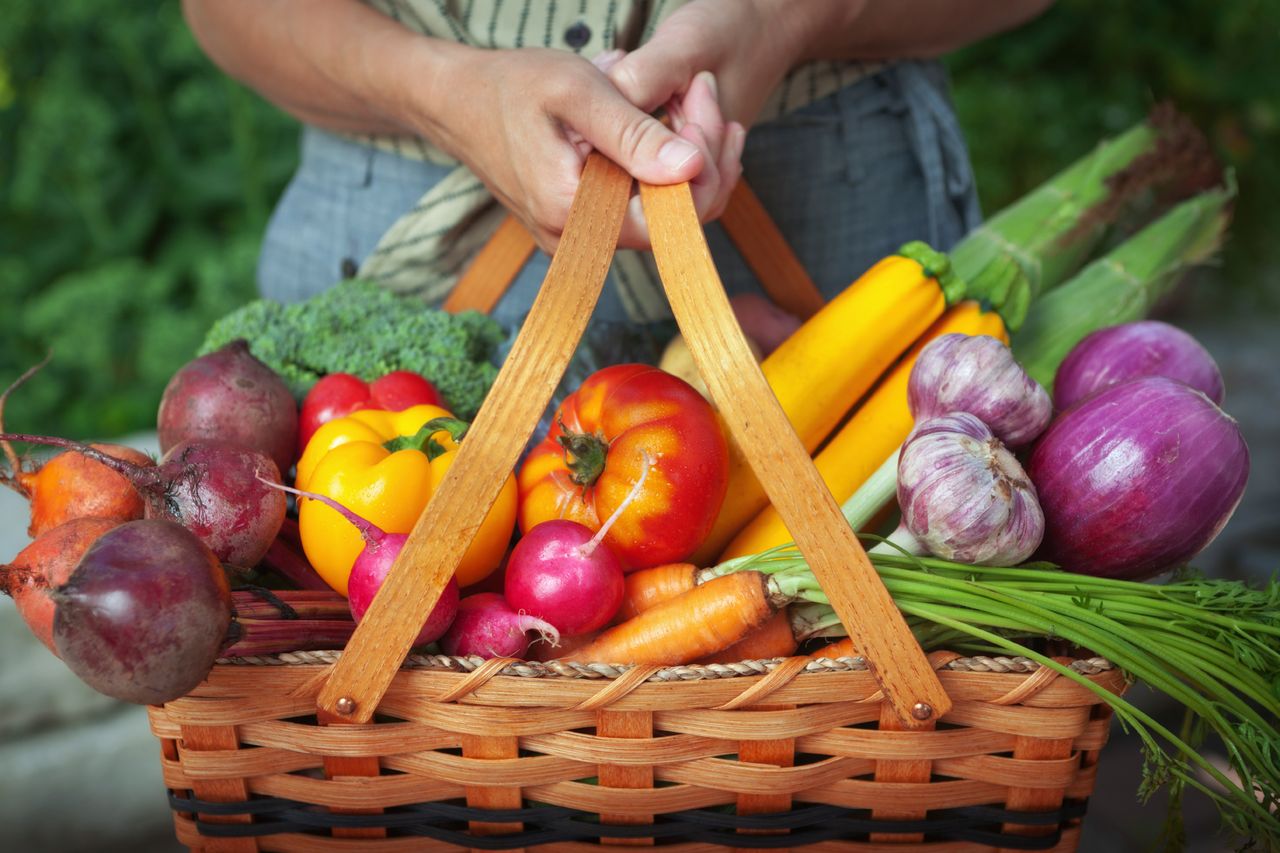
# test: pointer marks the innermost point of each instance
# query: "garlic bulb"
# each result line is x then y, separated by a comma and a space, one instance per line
963, 495
978, 374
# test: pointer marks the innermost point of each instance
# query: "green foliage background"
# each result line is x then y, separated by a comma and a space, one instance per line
136, 180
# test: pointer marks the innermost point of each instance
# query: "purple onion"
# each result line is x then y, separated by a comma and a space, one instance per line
978, 374
1137, 479
1130, 351
964, 497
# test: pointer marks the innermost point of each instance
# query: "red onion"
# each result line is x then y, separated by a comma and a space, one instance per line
1137, 479
977, 374
1132, 350
964, 497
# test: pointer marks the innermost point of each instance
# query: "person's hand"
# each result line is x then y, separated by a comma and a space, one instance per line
749, 45
525, 120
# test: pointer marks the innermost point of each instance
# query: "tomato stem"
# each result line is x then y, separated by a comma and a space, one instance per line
584, 455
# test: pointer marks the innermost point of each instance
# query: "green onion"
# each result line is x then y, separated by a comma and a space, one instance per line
1211, 645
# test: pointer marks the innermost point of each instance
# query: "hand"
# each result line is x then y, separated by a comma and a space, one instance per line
524, 121
749, 46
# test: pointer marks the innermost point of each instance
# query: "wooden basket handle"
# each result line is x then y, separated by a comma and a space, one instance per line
780, 462
521, 392
745, 220
485, 458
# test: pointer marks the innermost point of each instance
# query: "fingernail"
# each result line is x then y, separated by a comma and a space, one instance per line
676, 153
606, 60
710, 80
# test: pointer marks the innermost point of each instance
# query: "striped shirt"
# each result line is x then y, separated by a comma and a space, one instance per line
423, 252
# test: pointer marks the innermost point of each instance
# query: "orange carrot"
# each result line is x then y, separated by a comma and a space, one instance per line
697, 623
648, 587
842, 648
773, 639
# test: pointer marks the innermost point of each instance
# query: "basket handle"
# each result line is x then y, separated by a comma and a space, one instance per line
780, 462
521, 392
507, 418
745, 220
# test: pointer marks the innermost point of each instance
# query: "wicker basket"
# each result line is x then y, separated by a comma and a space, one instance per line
368, 750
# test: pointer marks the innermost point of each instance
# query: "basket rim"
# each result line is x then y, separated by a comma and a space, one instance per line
951, 661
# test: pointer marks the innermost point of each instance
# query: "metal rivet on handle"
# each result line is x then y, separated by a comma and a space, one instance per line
346, 706
921, 710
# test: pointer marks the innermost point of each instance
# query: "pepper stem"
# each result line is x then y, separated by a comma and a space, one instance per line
423, 440
584, 455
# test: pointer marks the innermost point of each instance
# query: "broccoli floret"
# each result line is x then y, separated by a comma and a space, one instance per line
361, 328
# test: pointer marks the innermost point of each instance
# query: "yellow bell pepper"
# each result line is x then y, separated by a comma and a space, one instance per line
384, 466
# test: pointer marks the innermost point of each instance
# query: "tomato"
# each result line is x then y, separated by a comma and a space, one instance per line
625, 421
339, 394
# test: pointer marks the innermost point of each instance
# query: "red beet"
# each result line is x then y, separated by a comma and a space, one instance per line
230, 396
144, 614
215, 490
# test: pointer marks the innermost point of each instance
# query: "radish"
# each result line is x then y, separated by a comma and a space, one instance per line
560, 572
210, 488
373, 564
487, 626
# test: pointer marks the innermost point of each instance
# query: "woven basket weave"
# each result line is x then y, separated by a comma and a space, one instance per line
803, 744
368, 749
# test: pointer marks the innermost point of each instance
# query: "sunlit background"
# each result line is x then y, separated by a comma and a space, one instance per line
135, 184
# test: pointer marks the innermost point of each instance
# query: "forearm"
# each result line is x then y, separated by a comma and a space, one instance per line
894, 29
334, 63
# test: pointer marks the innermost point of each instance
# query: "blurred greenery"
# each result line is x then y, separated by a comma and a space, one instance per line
136, 179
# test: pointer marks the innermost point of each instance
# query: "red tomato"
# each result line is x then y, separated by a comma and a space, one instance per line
339, 394
401, 389
622, 421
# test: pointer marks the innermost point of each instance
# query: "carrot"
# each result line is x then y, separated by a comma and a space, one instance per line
648, 587
545, 651
773, 639
706, 619
842, 648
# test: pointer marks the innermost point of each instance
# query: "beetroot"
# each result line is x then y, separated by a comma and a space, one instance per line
144, 613
230, 396
47, 562
71, 485
213, 489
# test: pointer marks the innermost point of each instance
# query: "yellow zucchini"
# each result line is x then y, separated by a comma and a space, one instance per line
875, 431
831, 361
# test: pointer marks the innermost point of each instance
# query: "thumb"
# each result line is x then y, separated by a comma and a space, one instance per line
645, 147
651, 75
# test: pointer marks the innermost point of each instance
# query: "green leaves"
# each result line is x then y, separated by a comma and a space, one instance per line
135, 182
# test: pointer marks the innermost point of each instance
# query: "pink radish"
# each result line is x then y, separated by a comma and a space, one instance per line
560, 572
487, 626
374, 563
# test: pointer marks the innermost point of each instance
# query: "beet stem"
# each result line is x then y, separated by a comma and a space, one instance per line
270, 637
14, 482
308, 604
143, 479
286, 612
284, 561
